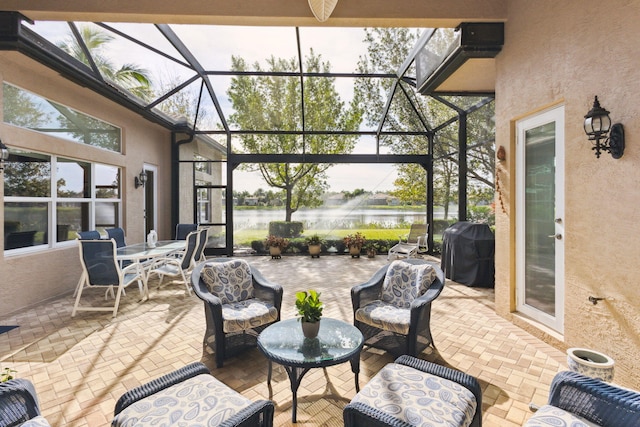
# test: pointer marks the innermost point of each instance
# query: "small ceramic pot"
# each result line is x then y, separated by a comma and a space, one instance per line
310, 329
590, 363
314, 251
275, 252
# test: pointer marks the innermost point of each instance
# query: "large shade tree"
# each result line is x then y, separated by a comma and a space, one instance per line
272, 103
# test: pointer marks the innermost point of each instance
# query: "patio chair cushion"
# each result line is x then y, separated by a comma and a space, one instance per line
38, 421
230, 281
404, 282
251, 313
201, 400
385, 316
550, 416
418, 398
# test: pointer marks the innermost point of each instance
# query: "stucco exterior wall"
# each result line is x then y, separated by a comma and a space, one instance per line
565, 53
29, 279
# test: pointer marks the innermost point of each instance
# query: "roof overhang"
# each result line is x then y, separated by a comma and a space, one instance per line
469, 65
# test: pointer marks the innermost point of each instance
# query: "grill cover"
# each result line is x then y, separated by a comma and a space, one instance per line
468, 254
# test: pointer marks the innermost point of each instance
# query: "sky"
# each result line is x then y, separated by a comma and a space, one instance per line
213, 46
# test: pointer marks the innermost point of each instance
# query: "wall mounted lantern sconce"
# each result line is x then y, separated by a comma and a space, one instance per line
4, 155
141, 179
597, 125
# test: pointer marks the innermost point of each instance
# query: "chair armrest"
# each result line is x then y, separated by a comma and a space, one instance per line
164, 260
201, 290
134, 267
364, 293
465, 380
159, 384
18, 402
267, 290
245, 415
595, 400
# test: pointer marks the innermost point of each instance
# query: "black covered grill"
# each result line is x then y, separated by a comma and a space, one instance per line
468, 251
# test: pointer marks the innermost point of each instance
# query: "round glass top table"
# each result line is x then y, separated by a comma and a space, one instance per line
283, 343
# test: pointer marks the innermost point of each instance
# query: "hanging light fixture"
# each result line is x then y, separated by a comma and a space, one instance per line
322, 9
141, 179
597, 125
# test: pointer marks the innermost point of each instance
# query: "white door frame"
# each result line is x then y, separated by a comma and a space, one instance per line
555, 114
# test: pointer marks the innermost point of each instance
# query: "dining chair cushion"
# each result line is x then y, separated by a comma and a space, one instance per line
404, 282
230, 281
418, 398
251, 313
201, 400
551, 416
386, 316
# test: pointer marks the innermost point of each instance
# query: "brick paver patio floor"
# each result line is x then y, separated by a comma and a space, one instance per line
80, 366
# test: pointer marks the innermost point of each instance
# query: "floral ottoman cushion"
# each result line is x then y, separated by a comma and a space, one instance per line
418, 398
550, 416
38, 421
201, 400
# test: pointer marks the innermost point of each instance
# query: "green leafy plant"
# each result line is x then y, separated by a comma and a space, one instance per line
314, 239
6, 375
309, 306
276, 242
356, 239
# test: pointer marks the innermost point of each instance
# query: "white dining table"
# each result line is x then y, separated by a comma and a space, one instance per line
143, 253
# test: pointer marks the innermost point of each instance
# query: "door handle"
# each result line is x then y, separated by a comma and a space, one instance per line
556, 236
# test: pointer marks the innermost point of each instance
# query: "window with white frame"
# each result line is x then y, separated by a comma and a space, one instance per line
47, 199
28, 110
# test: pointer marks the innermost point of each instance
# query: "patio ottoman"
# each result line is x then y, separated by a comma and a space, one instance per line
190, 396
414, 392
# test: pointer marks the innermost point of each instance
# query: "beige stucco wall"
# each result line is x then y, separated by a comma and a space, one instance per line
31, 278
565, 53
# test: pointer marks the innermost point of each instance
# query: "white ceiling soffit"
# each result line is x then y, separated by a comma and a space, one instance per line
322, 8
475, 75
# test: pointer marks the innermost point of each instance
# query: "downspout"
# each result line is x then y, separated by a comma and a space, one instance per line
175, 175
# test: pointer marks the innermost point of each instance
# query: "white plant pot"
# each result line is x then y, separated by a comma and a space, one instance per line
590, 363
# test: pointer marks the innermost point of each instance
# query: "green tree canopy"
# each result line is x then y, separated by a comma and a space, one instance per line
273, 103
387, 49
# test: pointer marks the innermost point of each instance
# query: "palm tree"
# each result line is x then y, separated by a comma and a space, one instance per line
131, 77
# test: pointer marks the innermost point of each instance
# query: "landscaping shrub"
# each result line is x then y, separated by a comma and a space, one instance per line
286, 229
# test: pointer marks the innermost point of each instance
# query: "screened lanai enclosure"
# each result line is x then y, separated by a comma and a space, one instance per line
286, 105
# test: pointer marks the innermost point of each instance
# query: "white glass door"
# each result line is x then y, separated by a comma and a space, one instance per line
540, 218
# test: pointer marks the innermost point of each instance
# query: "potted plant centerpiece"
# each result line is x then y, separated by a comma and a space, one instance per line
354, 243
276, 245
314, 243
309, 308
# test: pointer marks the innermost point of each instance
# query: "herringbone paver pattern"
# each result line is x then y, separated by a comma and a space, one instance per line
81, 366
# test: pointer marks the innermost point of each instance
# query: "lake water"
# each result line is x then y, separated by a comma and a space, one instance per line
333, 218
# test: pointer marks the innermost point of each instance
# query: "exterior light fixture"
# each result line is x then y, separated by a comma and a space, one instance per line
597, 126
141, 179
4, 155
